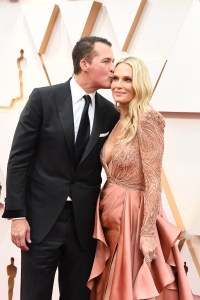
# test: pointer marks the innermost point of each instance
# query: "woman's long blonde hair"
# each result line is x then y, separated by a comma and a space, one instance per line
143, 92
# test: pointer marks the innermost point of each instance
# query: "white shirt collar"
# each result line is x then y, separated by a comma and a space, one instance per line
78, 93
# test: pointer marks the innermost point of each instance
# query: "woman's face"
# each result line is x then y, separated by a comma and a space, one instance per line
122, 86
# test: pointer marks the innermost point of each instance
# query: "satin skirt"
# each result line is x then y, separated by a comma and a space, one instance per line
120, 271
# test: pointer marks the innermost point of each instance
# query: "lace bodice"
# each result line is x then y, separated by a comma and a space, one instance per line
138, 165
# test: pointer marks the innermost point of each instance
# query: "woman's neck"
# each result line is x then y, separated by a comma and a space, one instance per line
123, 112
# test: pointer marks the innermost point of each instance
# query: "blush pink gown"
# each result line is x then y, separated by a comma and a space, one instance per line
129, 205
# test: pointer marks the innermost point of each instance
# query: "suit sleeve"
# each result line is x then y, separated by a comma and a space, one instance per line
22, 151
151, 143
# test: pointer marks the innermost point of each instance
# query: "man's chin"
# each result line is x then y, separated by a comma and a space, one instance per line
107, 86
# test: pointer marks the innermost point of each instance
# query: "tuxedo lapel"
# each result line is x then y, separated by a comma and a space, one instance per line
96, 129
65, 110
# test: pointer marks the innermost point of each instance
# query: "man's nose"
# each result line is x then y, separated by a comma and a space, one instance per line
111, 67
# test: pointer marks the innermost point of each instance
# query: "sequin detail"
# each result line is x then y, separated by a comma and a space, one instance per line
138, 165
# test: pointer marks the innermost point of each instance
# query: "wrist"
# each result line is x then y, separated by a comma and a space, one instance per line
20, 218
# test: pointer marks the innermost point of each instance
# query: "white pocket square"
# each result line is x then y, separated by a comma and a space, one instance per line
103, 134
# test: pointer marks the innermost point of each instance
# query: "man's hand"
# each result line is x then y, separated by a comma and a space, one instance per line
20, 233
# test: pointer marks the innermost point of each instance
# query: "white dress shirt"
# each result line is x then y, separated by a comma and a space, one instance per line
78, 103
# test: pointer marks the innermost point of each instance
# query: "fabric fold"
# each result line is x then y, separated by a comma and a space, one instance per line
133, 279
102, 250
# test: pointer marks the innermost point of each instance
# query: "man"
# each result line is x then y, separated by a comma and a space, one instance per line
52, 185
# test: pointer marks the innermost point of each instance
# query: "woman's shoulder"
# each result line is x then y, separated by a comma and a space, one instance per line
152, 116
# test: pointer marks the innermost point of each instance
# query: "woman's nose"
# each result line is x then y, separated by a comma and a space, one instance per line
118, 84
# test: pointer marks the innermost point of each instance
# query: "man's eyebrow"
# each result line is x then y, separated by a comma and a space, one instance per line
108, 58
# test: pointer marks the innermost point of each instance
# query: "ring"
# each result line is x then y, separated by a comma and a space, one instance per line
154, 256
148, 260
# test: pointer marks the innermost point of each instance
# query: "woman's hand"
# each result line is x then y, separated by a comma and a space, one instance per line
148, 248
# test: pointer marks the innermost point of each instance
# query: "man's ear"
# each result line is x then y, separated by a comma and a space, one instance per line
84, 64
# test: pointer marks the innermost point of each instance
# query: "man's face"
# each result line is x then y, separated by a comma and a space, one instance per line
100, 70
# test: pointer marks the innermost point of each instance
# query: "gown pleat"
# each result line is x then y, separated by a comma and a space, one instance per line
120, 223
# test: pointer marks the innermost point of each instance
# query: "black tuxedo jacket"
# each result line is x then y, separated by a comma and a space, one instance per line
41, 172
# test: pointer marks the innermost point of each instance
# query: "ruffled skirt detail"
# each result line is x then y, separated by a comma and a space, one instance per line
119, 271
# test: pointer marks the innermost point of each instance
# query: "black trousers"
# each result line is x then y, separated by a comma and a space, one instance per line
60, 249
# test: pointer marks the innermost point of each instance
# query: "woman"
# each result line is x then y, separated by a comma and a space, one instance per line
136, 256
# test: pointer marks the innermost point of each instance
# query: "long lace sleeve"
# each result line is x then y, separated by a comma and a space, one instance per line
151, 144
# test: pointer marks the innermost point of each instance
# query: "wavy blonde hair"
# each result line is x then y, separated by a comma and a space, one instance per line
143, 92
